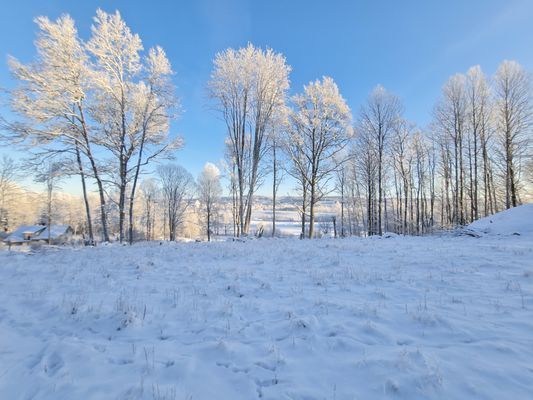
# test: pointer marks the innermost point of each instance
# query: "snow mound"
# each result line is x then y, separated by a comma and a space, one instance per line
515, 221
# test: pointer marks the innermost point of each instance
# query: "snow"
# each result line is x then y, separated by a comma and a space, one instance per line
438, 317
518, 220
18, 234
56, 232
38, 232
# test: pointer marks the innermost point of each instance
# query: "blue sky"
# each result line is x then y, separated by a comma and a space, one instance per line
410, 47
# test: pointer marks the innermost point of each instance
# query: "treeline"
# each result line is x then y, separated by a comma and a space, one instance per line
473, 160
170, 204
101, 110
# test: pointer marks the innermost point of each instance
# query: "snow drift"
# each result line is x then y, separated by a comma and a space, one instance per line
515, 221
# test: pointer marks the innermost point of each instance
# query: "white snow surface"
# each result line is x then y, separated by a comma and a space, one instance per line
378, 318
518, 220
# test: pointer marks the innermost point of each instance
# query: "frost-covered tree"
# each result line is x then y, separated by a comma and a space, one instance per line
209, 192
249, 86
79, 98
319, 129
177, 189
133, 101
51, 98
156, 105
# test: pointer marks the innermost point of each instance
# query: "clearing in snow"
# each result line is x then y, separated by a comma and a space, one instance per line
442, 317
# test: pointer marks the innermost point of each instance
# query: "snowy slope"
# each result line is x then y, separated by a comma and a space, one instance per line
518, 220
400, 318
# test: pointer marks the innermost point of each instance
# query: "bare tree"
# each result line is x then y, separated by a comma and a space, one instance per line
365, 154
277, 125
480, 134
177, 187
513, 111
340, 185
378, 117
355, 206
209, 191
451, 117
529, 171
8, 174
49, 173
402, 167
150, 194
277, 178
299, 168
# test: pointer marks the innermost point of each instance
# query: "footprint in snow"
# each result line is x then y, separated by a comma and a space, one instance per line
52, 364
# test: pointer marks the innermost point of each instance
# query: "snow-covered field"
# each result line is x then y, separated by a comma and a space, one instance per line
447, 317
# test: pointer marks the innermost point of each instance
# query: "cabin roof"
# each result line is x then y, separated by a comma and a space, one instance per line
38, 232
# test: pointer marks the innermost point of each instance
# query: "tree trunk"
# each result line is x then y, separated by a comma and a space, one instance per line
369, 207
380, 194
208, 223
123, 172
274, 190
304, 207
85, 198
342, 208
134, 185
103, 216
49, 217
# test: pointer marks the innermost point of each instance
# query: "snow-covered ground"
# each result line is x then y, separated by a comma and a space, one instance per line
446, 317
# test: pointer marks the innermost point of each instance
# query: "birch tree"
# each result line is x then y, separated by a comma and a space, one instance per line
177, 188
366, 165
8, 174
156, 105
402, 166
51, 97
276, 128
378, 117
451, 119
319, 129
341, 178
480, 127
513, 112
249, 86
131, 112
